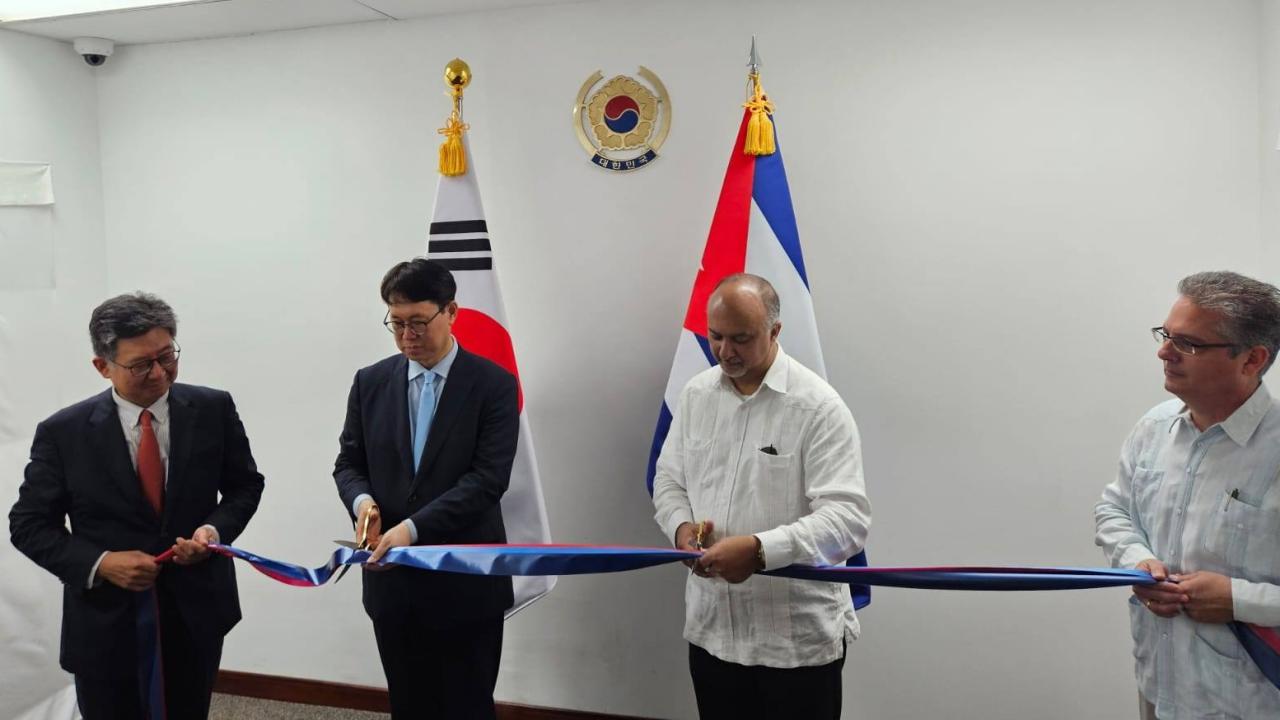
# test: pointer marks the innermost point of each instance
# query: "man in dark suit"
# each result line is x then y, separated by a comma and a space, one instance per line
135, 468
424, 458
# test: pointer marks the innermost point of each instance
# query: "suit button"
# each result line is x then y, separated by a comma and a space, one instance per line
413, 497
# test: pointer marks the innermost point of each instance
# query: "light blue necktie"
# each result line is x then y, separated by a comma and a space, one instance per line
422, 421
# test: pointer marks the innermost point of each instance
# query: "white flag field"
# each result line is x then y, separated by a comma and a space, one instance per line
459, 239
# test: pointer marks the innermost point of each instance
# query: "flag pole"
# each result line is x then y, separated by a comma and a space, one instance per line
453, 156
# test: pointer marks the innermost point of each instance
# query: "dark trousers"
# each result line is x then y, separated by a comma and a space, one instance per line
113, 691
734, 692
439, 671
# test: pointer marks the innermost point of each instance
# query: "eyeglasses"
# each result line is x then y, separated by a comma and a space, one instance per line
415, 327
1183, 345
167, 360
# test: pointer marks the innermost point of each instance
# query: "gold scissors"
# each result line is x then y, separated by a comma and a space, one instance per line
362, 543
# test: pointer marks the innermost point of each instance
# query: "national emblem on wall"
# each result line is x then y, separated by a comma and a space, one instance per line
623, 121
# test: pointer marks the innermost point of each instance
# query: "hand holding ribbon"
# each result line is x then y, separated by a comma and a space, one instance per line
1208, 597
1164, 598
732, 558
129, 569
397, 536
190, 552
692, 538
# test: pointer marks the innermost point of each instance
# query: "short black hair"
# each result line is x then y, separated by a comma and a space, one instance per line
419, 280
128, 316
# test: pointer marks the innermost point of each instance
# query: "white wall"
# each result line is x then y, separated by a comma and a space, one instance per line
995, 197
48, 112
1269, 129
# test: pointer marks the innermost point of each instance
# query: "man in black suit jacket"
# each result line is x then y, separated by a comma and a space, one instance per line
453, 415
133, 468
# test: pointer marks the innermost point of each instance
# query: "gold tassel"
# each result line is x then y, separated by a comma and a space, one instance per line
759, 140
453, 157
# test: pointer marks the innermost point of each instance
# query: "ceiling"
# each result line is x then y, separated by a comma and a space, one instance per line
224, 18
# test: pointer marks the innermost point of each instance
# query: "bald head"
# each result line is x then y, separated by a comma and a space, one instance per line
744, 288
743, 327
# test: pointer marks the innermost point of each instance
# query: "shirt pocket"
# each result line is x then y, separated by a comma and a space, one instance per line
1243, 536
775, 486
1146, 485
1217, 663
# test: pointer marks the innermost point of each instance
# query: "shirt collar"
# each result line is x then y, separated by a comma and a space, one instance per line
131, 413
1245, 420
441, 368
775, 378
1242, 423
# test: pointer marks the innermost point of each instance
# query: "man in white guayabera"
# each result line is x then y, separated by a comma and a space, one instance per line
1195, 504
762, 469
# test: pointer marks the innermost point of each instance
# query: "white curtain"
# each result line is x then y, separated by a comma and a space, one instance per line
32, 686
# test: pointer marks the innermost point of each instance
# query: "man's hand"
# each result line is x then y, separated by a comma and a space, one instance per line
397, 536
733, 558
1210, 597
1164, 598
686, 539
190, 552
130, 569
373, 531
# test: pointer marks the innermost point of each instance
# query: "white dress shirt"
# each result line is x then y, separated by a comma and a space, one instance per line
131, 423
1200, 501
805, 500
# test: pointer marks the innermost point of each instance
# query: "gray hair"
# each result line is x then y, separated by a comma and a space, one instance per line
1250, 309
127, 316
763, 288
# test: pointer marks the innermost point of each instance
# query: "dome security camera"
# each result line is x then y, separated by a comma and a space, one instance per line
95, 51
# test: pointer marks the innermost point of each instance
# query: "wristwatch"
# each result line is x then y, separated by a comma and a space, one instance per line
759, 553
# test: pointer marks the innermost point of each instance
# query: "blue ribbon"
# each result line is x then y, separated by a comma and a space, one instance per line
592, 559
1262, 644
150, 665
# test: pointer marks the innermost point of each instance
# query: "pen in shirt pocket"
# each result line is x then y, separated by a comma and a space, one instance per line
1233, 495
769, 449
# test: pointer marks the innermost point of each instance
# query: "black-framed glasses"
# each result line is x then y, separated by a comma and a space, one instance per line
1183, 345
415, 327
167, 360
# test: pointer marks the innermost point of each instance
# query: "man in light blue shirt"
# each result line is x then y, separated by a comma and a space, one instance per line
1195, 504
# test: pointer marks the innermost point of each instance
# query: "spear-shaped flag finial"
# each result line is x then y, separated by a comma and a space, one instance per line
759, 140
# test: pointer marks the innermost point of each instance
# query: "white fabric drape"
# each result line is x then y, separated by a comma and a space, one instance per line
32, 686
25, 183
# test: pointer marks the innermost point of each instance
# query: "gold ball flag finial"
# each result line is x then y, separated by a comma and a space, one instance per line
457, 75
453, 154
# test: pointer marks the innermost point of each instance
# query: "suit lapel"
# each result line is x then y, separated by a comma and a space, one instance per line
457, 388
183, 414
396, 397
110, 446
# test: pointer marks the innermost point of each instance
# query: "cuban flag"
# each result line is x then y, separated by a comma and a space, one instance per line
753, 230
459, 240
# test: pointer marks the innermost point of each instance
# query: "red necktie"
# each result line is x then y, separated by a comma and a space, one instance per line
150, 466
